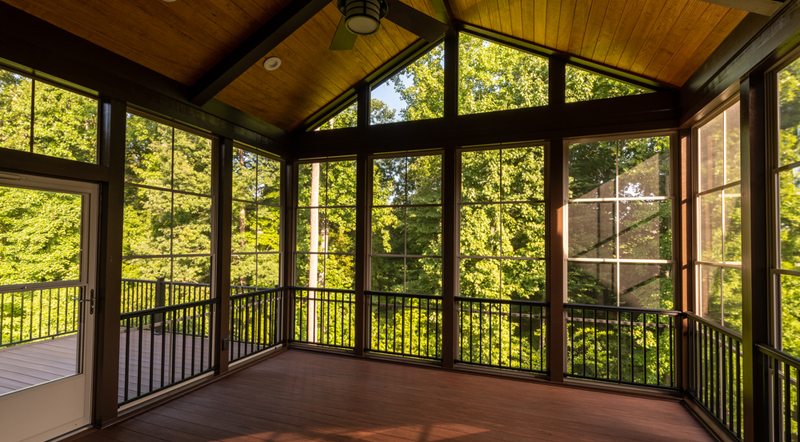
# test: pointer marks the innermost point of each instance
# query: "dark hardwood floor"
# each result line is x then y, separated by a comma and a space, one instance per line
302, 395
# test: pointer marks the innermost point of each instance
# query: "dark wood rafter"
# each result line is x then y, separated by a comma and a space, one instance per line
761, 7
259, 44
756, 41
656, 111
37, 46
443, 11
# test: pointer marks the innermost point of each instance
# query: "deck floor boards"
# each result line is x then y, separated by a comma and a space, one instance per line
35, 363
301, 395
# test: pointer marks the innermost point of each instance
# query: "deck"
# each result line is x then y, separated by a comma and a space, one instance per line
301, 395
38, 362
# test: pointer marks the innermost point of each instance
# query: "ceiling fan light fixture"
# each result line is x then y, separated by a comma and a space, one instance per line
363, 17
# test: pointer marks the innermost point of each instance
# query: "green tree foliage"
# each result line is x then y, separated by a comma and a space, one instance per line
493, 77
583, 85
172, 214
255, 223
40, 232
789, 84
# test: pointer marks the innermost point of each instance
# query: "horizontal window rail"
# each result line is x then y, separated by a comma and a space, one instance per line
621, 344
140, 294
324, 317
164, 346
34, 315
507, 334
782, 373
256, 322
715, 371
404, 324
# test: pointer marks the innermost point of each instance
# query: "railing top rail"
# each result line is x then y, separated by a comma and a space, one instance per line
168, 308
406, 295
257, 292
779, 355
719, 328
188, 284
622, 309
504, 301
138, 280
318, 289
39, 286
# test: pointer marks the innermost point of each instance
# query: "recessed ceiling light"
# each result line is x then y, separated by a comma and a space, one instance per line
272, 63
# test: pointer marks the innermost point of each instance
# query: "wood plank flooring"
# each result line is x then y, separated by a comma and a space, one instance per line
35, 363
307, 396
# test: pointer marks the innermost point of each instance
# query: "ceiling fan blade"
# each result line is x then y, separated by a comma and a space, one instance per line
415, 21
343, 39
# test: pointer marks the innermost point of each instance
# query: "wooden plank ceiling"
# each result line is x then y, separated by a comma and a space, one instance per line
666, 40
311, 75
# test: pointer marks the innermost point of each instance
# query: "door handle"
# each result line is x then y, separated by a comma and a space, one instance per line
91, 301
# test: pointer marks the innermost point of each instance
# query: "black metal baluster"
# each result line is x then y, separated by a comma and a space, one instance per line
127, 355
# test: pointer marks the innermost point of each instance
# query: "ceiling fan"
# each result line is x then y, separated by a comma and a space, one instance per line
363, 17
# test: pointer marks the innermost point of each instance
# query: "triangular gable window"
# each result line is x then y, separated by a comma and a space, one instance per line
413, 93
494, 77
583, 85
347, 117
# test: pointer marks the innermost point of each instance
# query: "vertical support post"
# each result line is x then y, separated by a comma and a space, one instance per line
450, 248
111, 127
755, 254
364, 99
362, 230
288, 225
556, 161
558, 83
682, 190
160, 301
222, 192
451, 74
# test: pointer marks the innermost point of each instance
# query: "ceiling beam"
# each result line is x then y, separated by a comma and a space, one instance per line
761, 7
265, 39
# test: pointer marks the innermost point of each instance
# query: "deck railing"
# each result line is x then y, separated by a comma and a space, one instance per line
256, 322
324, 317
622, 345
140, 294
164, 346
405, 325
715, 371
33, 315
782, 374
507, 334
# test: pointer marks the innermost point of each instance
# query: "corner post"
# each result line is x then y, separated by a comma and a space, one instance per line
755, 254
362, 232
222, 185
288, 226
682, 189
450, 250
556, 161
111, 128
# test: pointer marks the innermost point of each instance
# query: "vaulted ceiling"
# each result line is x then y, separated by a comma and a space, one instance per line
663, 40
